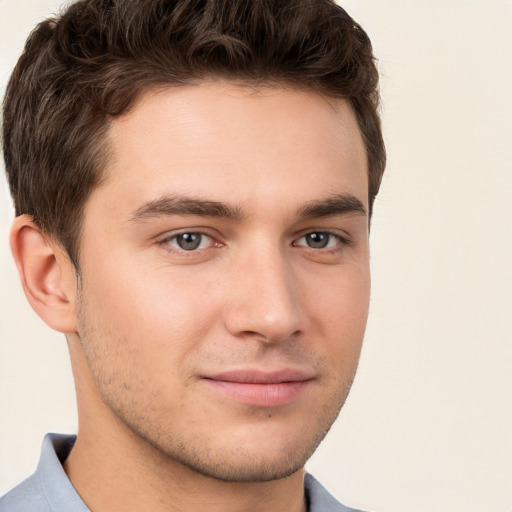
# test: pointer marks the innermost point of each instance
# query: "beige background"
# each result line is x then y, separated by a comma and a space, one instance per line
429, 423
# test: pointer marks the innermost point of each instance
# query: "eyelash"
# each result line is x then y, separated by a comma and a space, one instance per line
165, 243
342, 241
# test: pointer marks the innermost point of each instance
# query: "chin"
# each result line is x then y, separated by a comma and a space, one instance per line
246, 467
245, 455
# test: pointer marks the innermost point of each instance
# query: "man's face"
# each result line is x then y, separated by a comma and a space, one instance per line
225, 278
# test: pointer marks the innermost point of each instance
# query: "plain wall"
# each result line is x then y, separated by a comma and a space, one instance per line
428, 425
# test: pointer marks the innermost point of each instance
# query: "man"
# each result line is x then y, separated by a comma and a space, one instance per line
193, 184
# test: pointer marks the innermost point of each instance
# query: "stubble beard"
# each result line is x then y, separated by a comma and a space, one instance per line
160, 441
228, 463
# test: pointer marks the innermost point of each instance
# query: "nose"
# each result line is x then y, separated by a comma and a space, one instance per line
264, 299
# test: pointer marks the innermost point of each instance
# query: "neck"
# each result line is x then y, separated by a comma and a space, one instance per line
106, 473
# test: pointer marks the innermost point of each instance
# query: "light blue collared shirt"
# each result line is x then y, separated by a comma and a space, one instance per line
50, 490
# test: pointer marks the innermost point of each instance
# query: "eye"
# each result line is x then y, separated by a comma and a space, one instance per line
189, 241
319, 240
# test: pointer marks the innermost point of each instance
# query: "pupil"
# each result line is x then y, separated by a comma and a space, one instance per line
189, 241
318, 240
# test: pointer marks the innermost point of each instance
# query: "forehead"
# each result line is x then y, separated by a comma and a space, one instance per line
235, 143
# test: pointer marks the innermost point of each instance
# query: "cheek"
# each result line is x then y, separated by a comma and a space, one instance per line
159, 315
343, 299
340, 310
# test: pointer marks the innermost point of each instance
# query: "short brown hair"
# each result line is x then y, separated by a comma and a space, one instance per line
88, 65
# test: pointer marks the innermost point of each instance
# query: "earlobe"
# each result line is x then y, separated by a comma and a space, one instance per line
47, 275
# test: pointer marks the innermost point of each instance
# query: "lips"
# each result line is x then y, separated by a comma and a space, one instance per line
260, 388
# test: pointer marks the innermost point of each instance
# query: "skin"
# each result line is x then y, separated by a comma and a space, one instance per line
153, 328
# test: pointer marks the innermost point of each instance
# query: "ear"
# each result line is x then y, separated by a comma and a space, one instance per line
47, 274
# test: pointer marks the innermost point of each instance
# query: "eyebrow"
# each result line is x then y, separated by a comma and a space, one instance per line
340, 204
178, 205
